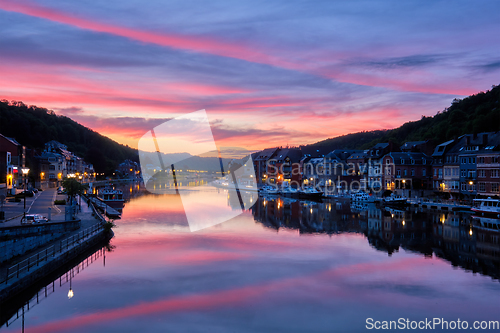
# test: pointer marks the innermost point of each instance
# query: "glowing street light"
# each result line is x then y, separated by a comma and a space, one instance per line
25, 173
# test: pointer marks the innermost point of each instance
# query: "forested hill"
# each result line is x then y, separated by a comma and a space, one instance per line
473, 114
34, 126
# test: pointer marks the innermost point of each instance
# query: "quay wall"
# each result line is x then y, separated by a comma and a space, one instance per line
16, 241
10, 289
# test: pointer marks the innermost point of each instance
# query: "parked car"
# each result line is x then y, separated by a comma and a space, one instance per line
27, 193
60, 190
33, 219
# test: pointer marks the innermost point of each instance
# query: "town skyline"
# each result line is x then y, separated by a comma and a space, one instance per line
268, 73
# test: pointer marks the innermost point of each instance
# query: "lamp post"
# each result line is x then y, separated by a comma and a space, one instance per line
25, 173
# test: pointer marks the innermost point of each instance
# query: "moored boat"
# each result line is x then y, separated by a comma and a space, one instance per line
486, 207
363, 196
111, 197
269, 190
310, 193
395, 200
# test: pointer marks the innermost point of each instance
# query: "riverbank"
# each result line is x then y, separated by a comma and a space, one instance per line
18, 274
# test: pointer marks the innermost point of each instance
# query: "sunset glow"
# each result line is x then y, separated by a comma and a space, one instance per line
331, 73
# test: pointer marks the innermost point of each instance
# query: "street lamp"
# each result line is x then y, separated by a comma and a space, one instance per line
25, 173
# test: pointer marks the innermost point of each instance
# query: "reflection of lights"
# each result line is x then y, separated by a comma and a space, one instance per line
70, 293
392, 215
329, 207
471, 182
311, 210
403, 223
470, 232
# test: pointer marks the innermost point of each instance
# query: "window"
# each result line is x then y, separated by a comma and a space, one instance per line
494, 187
482, 187
406, 172
398, 172
413, 172
423, 173
463, 160
463, 173
435, 172
463, 187
481, 173
52, 167
480, 160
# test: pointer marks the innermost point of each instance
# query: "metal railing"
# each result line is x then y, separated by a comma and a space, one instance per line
64, 246
50, 288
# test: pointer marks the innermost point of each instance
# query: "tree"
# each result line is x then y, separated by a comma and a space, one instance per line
73, 188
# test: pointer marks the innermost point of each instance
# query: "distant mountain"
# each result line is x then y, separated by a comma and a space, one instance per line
34, 126
473, 114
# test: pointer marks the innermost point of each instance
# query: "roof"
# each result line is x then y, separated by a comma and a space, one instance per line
380, 145
292, 153
358, 155
471, 140
441, 149
265, 154
12, 140
342, 154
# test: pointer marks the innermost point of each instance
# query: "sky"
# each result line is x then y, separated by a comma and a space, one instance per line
268, 73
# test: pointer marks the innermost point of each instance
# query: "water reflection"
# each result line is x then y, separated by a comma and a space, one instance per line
14, 310
466, 241
284, 265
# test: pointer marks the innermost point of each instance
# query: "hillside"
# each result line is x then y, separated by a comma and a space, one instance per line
33, 126
473, 114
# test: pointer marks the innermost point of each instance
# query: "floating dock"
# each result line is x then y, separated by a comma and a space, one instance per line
109, 211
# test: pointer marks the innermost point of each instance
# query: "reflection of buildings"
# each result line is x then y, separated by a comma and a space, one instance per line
307, 216
450, 236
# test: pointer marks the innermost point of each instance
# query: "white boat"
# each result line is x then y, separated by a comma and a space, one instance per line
289, 191
363, 196
111, 197
486, 207
395, 200
310, 193
268, 189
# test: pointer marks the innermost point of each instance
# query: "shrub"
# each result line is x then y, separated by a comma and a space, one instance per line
59, 202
